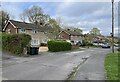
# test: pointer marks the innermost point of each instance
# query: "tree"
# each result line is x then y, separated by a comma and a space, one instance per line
54, 26
23, 17
78, 30
33, 14
59, 21
4, 16
95, 31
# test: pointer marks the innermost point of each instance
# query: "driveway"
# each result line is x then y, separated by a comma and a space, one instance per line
50, 66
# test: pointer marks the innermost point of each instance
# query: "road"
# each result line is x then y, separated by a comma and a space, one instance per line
54, 66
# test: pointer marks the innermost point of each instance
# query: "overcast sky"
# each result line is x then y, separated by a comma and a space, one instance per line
84, 15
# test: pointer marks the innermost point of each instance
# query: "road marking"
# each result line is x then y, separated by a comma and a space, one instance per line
75, 52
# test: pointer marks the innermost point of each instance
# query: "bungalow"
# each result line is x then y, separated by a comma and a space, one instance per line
71, 36
37, 32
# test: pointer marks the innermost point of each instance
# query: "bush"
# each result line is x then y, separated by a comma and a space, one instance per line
56, 46
15, 43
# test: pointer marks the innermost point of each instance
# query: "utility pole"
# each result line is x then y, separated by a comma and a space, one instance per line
113, 26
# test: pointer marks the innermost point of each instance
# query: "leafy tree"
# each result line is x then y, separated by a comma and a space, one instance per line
78, 30
95, 31
4, 16
55, 27
74, 29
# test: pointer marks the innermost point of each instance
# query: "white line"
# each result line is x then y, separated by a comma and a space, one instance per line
75, 52
78, 52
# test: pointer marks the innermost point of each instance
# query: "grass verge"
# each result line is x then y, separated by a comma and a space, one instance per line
111, 66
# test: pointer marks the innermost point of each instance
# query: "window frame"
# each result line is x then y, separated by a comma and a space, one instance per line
22, 30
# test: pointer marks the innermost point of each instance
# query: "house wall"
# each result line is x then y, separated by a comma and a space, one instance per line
12, 29
37, 38
76, 38
64, 35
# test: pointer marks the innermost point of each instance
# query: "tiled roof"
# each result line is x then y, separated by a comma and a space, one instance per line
73, 33
25, 25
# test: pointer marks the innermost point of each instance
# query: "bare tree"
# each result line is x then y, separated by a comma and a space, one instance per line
4, 16
33, 14
59, 21
23, 17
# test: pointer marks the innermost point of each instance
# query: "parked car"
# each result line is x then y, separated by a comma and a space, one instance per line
95, 44
81, 43
105, 46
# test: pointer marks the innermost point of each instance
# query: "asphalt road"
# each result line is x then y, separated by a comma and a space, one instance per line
56, 66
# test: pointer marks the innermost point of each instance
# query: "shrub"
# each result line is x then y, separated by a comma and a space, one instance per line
5, 40
56, 46
15, 43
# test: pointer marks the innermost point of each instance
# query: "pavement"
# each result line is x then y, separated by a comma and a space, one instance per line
93, 68
55, 66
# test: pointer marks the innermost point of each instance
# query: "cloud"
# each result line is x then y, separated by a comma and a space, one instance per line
84, 15
59, 0
13, 9
88, 15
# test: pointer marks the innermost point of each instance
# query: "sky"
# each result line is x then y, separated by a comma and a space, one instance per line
84, 15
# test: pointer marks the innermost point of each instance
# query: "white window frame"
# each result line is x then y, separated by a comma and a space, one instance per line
23, 30
35, 31
35, 41
44, 40
42, 33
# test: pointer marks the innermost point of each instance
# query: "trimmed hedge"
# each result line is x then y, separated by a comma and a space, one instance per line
15, 43
56, 46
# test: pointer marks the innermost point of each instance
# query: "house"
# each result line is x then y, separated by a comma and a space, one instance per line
70, 36
37, 32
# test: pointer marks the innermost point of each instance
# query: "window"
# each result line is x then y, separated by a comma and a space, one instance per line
23, 30
42, 33
34, 31
44, 40
35, 41
46, 32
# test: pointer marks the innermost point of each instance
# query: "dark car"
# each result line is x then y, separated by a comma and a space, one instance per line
80, 43
105, 46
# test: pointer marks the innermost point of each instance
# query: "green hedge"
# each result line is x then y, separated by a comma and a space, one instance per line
15, 43
56, 46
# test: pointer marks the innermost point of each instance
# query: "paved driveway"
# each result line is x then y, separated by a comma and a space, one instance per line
50, 66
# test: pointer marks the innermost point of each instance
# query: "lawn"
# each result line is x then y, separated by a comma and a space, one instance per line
111, 66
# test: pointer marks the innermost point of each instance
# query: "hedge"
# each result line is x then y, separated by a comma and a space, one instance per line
56, 46
15, 43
